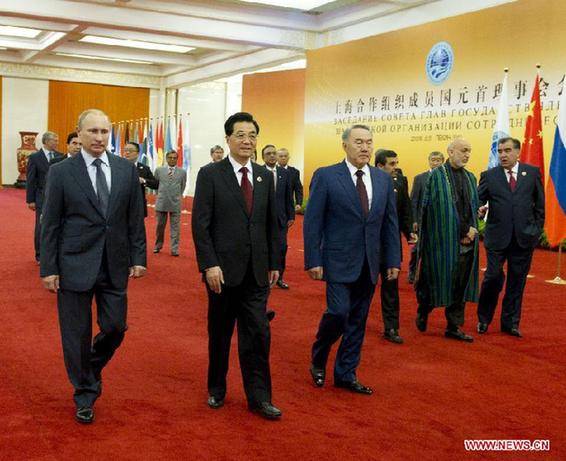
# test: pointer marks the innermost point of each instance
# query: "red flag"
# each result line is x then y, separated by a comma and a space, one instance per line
531, 151
180, 144
159, 143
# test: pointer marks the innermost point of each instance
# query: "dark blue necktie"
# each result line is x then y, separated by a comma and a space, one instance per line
101, 186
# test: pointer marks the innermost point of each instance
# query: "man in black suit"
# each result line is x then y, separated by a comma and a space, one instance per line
92, 241
295, 177
38, 165
284, 201
73, 144
235, 231
435, 159
514, 194
132, 153
388, 161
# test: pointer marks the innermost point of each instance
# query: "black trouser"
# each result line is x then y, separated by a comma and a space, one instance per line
454, 313
389, 301
246, 304
283, 241
84, 357
37, 230
518, 265
413, 264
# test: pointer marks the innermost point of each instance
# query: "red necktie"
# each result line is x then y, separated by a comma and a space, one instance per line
512, 181
362, 192
246, 189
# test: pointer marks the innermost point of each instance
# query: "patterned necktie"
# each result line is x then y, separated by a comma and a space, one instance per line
362, 192
170, 174
50, 156
512, 181
101, 186
246, 188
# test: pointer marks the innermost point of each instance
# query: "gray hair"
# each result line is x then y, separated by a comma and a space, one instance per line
48, 135
347, 131
215, 148
88, 112
435, 153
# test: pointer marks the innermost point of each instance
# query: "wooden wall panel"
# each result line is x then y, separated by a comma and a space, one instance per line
68, 99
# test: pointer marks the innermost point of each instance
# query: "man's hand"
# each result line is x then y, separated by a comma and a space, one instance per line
51, 282
392, 273
137, 271
290, 222
297, 207
482, 210
214, 278
414, 238
472, 233
273, 277
142, 181
316, 273
31, 206
415, 227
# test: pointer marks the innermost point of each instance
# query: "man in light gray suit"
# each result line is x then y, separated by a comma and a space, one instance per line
172, 182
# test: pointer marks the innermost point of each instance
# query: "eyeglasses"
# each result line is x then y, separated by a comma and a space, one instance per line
252, 137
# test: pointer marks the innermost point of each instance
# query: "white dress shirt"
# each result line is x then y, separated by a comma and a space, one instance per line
366, 178
47, 152
515, 171
237, 172
274, 171
92, 169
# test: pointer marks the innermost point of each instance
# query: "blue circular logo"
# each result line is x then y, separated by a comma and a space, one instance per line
439, 62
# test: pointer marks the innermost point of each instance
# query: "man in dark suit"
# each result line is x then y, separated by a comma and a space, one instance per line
387, 161
435, 159
92, 240
284, 201
73, 144
132, 153
514, 194
235, 231
38, 165
350, 231
295, 176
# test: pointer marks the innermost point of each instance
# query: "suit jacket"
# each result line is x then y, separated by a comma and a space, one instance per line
170, 190
296, 185
224, 234
75, 234
145, 172
283, 197
337, 235
403, 203
417, 191
37, 169
519, 213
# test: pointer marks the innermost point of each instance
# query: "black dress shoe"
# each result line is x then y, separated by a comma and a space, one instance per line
421, 321
459, 335
354, 386
84, 415
215, 402
266, 410
156, 250
514, 331
270, 315
392, 335
482, 328
174, 254
282, 284
318, 375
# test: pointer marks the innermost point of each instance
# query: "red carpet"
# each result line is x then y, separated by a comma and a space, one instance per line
430, 393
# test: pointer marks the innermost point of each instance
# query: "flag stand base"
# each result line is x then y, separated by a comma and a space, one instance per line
556, 281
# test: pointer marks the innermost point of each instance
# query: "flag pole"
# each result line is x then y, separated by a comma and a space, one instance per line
558, 280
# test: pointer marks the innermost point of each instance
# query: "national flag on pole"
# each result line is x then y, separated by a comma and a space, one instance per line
159, 143
135, 136
180, 143
531, 150
168, 145
555, 213
187, 148
127, 132
150, 146
118, 143
112, 140
143, 144
501, 125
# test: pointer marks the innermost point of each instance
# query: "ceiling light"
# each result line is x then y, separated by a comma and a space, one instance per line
135, 44
305, 5
84, 56
23, 32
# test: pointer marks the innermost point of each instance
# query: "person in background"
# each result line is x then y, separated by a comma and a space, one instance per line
216, 153
132, 153
295, 176
73, 144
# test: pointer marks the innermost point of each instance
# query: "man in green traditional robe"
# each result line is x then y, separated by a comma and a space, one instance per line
448, 242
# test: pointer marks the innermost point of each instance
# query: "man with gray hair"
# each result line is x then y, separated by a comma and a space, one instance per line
216, 153
38, 165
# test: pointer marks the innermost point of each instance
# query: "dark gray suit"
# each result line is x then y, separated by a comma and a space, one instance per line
514, 223
37, 169
91, 250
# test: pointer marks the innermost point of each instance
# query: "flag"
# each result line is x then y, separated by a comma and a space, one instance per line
118, 144
531, 151
168, 145
180, 143
159, 143
150, 146
555, 213
135, 136
501, 125
127, 132
112, 140
187, 148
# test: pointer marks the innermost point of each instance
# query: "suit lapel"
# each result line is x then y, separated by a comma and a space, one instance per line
375, 185
501, 176
227, 173
80, 174
346, 181
521, 176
